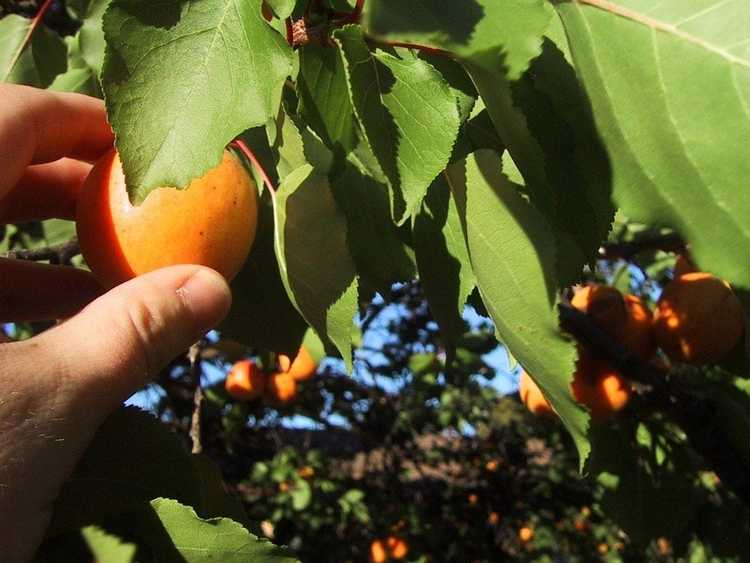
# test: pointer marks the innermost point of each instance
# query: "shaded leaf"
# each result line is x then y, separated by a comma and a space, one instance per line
512, 252
408, 114
106, 548
35, 63
314, 258
443, 259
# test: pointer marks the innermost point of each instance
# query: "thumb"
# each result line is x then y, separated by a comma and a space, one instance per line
118, 342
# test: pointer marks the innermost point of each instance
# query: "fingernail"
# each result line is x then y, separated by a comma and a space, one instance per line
208, 296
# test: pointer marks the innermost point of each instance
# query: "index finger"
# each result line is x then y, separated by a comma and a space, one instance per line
39, 126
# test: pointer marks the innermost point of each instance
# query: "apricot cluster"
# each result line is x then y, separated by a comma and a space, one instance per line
698, 320
392, 548
247, 382
597, 385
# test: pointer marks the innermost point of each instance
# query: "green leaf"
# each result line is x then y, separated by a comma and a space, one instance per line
314, 259
35, 63
324, 97
282, 9
182, 79
512, 252
443, 259
262, 314
79, 77
106, 482
215, 500
182, 536
546, 124
90, 36
670, 88
301, 495
508, 31
408, 114
381, 256
106, 548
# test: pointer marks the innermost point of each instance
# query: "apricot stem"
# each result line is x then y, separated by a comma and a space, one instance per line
194, 356
34, 24
247, 151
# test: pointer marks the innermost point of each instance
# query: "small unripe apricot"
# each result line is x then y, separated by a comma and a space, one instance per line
212, 222
624, 317
302, 368
699, 319
281, 388
245, 381
532, 396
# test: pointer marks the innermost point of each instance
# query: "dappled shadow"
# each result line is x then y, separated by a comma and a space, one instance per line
449, 19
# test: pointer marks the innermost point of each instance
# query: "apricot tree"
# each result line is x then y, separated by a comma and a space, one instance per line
499, 151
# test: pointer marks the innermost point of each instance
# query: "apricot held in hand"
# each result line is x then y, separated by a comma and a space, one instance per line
698, 320
212, 222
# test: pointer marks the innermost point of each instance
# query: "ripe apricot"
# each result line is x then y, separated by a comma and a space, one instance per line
212, 222
699, 319
378, 552
492, 465
303, 367
493, 518
525, 534
624, 317
473, 499
306, 472
244, 381
600, 388
532, 396
281, 388
397, 547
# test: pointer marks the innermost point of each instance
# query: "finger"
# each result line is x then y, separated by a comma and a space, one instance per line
45, 191
35, 292
117, 343
39, 126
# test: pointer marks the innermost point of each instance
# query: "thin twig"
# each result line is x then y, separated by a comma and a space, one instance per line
242, 146
194, 355
32, 28
670, 242
57, 254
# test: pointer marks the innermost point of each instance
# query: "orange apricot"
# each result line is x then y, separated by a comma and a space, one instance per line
212, 222
397, 547
624, 317
493, 519
532, 396
526, 534
303, 366
306, 472
600, 388
281, 388
699, 319
492, 465
378, 552
245, 381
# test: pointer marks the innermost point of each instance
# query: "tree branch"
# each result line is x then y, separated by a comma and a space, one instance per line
57, 254
671, 242
194, 355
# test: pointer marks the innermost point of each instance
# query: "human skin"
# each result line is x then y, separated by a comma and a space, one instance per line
58, 387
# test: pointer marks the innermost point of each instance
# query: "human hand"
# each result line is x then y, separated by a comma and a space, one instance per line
58, 387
